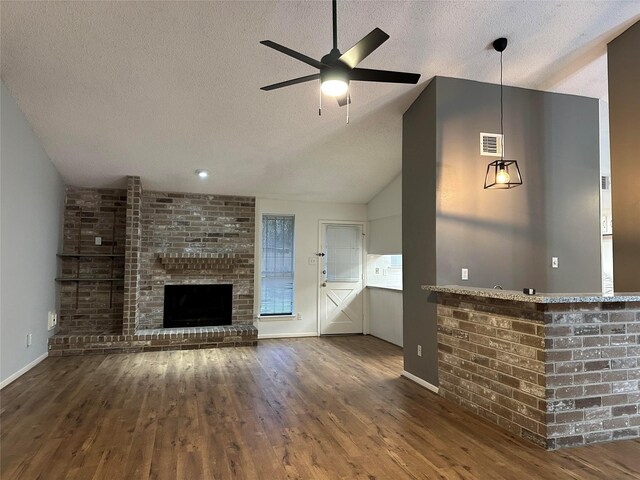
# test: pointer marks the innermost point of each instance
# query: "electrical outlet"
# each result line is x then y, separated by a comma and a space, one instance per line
98, 240
29, 338
419, 350
299, 315
377, 271
465, 274
52, 320
554, 262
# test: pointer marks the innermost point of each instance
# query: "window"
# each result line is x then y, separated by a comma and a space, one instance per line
276, 296
344, 254
395, 261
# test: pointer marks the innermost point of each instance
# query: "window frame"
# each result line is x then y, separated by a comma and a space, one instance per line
291, 314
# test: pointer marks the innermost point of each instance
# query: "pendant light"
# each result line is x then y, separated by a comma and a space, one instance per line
502, 174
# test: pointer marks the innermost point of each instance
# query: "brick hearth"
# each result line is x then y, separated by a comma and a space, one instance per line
152, 340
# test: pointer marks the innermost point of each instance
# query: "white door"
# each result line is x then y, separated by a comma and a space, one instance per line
341, 279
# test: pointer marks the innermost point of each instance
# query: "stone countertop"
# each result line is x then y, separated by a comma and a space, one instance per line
537, 298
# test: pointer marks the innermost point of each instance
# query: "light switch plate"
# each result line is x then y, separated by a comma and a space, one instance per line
465, 274
313, 261
554, 262
98, 240
52, 320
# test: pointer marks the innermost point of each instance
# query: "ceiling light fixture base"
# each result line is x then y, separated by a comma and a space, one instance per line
500, 44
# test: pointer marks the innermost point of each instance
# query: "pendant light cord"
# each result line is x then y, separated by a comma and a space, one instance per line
501, 112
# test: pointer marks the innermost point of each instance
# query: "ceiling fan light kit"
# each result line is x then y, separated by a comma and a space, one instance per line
337, 70
334, 83
502, 174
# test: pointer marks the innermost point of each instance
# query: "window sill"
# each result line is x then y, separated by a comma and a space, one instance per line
276, 317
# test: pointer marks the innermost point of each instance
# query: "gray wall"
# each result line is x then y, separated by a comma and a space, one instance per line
32, 198
624, 120
419, 133
508, 237
503, 237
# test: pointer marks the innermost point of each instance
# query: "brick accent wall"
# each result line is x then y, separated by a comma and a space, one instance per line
183, 224
491, 361
593, 365
92, 307
559, 375
132, 255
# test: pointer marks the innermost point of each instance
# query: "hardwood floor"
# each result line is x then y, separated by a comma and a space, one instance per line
307, 408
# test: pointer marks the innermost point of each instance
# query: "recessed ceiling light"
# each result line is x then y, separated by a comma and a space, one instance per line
202, 173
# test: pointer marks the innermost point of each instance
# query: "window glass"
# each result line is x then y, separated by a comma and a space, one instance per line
343, 253
277, 264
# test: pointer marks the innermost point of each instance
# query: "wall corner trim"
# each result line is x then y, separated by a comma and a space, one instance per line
23, 370
419, 381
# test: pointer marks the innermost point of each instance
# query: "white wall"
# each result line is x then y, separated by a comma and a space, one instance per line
32, 199
307, 218
605, 199
384, 306
384, 212
385, 314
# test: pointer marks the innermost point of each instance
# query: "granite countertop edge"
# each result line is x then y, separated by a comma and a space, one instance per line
537, 298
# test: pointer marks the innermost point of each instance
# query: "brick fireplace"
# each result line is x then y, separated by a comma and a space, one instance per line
152, 240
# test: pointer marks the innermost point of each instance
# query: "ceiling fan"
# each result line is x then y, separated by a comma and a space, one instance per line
338, 69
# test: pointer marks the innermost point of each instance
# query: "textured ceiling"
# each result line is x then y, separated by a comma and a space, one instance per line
159, 89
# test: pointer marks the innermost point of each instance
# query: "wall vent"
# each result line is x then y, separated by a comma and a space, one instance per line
491, 144
605, 182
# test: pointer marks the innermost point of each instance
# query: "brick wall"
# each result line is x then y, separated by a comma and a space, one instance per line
132, 255
92, 307
491, 361
181, 223
593, 365
559, 375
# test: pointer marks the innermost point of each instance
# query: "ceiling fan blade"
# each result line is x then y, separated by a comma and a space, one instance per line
308, 78
364, 47
293, 53
368, 75
343, 99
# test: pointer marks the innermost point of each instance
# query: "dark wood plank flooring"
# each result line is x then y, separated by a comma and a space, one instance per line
325, 408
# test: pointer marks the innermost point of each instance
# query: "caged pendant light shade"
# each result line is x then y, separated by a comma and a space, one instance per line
502, 174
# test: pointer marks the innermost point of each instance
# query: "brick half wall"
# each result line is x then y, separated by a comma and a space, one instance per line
593, 365
491, 361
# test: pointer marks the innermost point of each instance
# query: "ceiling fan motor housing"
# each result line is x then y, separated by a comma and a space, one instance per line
335, 72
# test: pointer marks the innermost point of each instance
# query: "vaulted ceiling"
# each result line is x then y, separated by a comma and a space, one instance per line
159, 89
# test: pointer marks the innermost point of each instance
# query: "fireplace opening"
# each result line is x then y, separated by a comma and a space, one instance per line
197, 305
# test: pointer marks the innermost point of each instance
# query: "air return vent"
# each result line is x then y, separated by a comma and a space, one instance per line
605, 182
491, 144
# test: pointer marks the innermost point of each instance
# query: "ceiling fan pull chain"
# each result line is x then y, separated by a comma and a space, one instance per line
348, 102
320, 103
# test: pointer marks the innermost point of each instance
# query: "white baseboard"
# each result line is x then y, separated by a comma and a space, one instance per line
286, 335
420, 381
23, 370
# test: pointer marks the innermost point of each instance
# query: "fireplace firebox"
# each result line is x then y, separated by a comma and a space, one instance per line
197, 305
